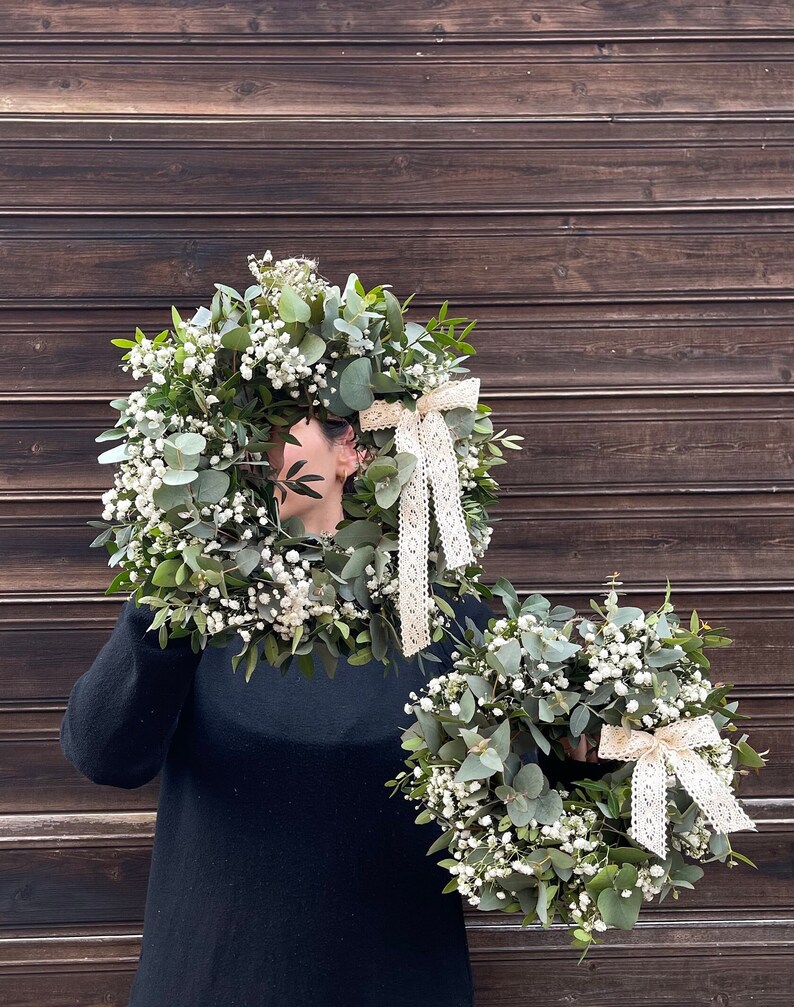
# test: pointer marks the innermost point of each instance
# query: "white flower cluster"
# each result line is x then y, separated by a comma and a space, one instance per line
387, 584
616, 655
299, 274
446, 797
469, 465
695, 843
441, 692
572, 833
296, 272
651, 880
427, 375
481, 543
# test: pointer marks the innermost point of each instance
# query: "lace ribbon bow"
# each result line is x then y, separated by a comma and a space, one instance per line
426, 435
673, 744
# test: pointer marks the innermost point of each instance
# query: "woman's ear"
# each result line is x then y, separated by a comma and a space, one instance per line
348, 455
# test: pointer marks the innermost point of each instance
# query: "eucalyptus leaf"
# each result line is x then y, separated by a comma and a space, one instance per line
358, 533
291, 307
529, 779
388, 492
176, 477
247, 560
355, 384
548, 808
189, 443
116, 454
665, 657
509, 655
617, 911
472, 769
380, 469
211, 486
361, 558
579, 720
165, 572
312, 347
237, 338
467, 706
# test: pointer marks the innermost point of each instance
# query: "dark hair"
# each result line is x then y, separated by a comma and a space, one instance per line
334, 430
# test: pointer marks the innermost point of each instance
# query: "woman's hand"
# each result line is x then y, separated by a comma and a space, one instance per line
585, 751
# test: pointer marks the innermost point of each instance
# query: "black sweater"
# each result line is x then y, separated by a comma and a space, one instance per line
284, 872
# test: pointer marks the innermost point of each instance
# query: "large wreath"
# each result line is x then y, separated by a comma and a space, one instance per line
594, 848
192, 518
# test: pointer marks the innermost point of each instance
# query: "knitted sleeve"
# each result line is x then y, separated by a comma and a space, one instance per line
123, 711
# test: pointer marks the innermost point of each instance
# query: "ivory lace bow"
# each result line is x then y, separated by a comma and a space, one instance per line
673, 744
426, 435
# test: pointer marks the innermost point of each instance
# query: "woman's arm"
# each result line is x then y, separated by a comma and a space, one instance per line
123, 711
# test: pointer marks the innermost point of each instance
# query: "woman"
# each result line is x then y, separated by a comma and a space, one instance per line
284, 872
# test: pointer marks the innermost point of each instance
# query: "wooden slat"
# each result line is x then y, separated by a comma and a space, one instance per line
45, 19
546, 549
536, 548
706, 979
71, 885
577, 445
96, 965
760, 660
155, 177
35, 777
130, 828
698, 130
98, 828
338, 80
522, 351
546, 257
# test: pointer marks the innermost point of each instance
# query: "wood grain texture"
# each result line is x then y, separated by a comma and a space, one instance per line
526, 172
337, 80
91, 965
71, 886
618, 349
545, 258
606, 187
45, 19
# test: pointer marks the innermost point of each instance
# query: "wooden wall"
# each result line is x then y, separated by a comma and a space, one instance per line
607, 187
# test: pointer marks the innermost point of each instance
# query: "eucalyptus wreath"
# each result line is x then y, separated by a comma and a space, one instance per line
192, 519
590, 853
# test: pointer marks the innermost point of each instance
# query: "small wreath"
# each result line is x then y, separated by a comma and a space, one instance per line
192, 518
592, 854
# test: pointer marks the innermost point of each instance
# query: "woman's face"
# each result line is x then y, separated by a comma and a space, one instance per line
332, 462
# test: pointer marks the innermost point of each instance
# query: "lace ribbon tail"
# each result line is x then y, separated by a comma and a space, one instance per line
649, 803
413, 535
442, 468
709, 792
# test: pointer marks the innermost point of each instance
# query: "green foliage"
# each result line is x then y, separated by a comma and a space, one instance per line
196, 447
552, 681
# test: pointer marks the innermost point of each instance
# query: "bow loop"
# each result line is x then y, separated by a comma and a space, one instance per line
673, 744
